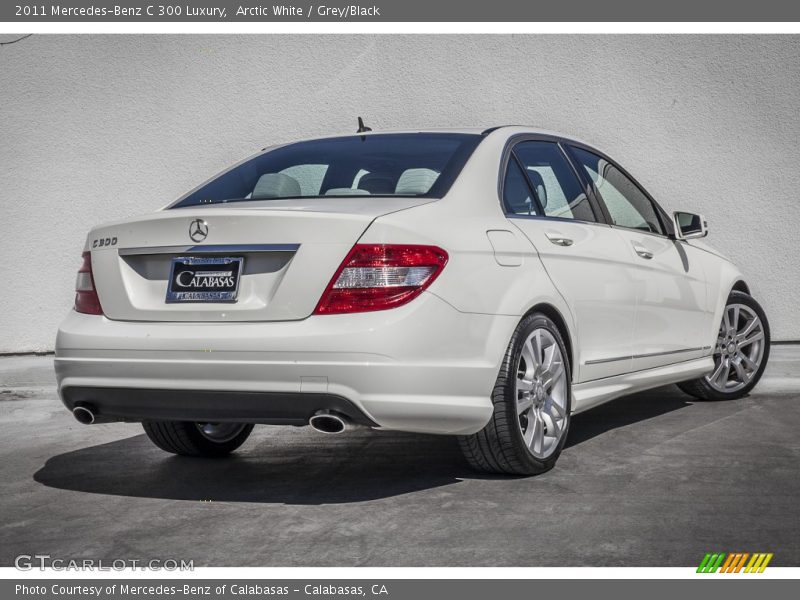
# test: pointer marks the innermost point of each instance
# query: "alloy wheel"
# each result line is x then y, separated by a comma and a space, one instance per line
739, 350
541, 393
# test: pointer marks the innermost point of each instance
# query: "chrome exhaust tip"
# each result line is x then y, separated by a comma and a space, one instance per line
326, 421
83, 415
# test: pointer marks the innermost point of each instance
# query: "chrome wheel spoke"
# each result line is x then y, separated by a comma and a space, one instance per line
726, 373
548, 356
538, 436
557, 371
759, 335
740, 372
717, 371
546, 380
538, 352
722, 373
556, 410
554, 429
524, 404
747, 330
531, 430
552, 375
747, 362
524, 385
529, 356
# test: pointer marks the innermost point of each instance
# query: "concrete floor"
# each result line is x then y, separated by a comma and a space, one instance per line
654, 479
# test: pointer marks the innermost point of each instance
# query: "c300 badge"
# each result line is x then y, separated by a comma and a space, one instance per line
103, 242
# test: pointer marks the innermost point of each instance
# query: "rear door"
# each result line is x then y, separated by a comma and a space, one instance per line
670, 284
586, 259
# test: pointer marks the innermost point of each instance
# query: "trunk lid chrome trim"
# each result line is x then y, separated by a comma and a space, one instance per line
208, 249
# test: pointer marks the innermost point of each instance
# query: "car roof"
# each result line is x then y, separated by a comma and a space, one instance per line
505, 131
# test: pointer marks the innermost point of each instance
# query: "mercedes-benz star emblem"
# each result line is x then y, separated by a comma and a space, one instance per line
198, 230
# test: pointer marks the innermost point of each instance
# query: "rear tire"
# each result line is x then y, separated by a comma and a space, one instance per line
197, 439
740, 352
532, 403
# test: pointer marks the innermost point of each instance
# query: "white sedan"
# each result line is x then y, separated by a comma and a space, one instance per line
484, 284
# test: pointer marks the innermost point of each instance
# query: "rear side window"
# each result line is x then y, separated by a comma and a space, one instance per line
553, 181
517, 194
627, 204
416, 164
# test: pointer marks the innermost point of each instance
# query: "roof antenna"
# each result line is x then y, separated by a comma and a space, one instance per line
361, 127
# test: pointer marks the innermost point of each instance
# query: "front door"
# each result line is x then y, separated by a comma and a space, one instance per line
670, 285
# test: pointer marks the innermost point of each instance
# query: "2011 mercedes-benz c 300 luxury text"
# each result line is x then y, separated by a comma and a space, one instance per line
483, 284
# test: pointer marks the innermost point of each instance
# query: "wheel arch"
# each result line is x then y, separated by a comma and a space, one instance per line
740, 286
552, 313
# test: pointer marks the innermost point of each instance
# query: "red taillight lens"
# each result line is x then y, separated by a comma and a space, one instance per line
86, 300
377, 277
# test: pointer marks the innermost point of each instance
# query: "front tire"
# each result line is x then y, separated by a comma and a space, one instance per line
740, 353
197, 439
532, 403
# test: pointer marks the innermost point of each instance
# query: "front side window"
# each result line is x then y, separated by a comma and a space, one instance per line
416, 164
628, 205
552, 179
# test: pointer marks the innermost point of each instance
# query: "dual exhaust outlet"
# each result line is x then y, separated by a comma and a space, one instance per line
328, 421
324, 421
84, 415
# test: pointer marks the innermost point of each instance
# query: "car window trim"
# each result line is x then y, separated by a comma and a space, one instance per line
556, 219
508, 151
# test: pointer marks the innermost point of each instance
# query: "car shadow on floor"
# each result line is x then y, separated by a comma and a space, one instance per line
626, 411
302, 467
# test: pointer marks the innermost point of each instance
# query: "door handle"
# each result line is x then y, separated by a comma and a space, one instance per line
558, 240
643, 252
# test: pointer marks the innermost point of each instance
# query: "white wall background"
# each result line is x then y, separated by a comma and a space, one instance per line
94, 128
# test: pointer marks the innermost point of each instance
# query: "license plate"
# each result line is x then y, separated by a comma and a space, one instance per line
202, 279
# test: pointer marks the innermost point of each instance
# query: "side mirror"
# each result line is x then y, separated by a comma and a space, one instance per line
689, 226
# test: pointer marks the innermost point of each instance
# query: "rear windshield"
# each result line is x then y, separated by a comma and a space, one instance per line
398, 164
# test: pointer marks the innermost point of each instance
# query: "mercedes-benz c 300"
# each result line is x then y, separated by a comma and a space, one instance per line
482, 284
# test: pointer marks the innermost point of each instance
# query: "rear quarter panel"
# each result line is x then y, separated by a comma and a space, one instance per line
474, 280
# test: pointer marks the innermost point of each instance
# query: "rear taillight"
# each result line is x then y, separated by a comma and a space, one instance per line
86, 300
377, 277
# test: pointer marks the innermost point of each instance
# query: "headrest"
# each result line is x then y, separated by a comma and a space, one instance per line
377, 184
415, 182
538, 186
276, 185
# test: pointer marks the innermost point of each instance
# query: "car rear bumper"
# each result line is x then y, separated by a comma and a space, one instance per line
272, 408
423, 367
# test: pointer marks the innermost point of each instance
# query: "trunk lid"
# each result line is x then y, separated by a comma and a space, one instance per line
290, 249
